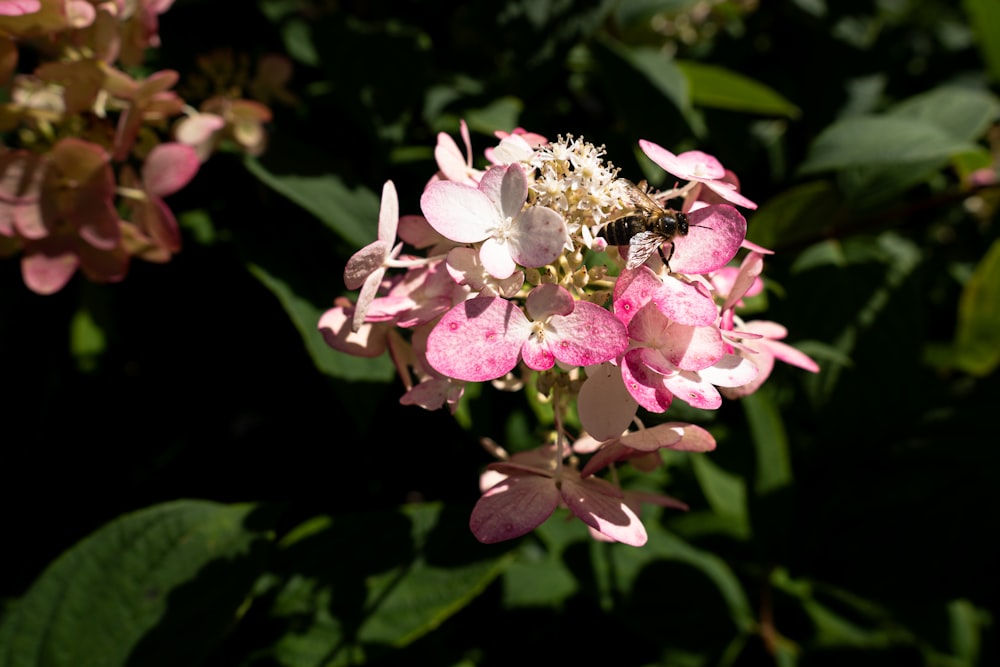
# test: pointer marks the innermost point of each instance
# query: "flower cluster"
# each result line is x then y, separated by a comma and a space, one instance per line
510, 272
88, 153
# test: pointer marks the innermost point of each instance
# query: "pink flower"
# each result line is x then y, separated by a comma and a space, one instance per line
697, 167
492, 214
367, 266
534, 485
761, 351
483, 338
19, 7
152, 229
452, 166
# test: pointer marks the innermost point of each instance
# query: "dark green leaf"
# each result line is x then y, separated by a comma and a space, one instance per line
977, 340
353, 214
963, 113
774, 468
880, 140
305, 315
720, 88
801, 213
360, 584
984, 17
129, 592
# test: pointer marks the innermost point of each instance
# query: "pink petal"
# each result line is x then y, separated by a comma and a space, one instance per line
714, 237
168, 168
388, 214
513, 191
645, 386
365, 297
547, 300
538, 237
600, 506
604, 404
479, 339
730, 371
537, 354
496, 259
671, 435
364, 262
513, 507
693, 390
458, 212
587, 336
19, 7
47, 266
368, 341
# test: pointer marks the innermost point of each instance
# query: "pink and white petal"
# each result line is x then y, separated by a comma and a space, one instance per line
731, 370
537, 237
365, 262
746, 278
685, 303
693, 390
604, 404
612, 451
603, 509
48, 265
365, 297
701, 166
671, 435
458, 212
514, 507
547, 300
587, 336
692, 348
633, 290
416, 231
729, 192
714, 237
168, 168
789, 354
537, 354
388, 214
512, 148
496, 259
368, 341
19, 7
645, 386
479, 339
665, 159
450, 160
513, 191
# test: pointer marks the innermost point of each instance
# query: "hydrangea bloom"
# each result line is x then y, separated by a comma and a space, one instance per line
504, 293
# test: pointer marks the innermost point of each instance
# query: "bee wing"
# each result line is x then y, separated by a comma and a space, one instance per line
636, 199
641, 247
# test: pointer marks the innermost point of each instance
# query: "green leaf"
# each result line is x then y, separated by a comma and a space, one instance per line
774, 468
726, 493
720, 88
305, 315
861, 141
963, 113
802, 213
626, 565
356, 585
984, 17
658, 69
351, 213
977, 340
156, 587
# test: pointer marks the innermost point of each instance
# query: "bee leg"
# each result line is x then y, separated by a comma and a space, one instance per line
666, 258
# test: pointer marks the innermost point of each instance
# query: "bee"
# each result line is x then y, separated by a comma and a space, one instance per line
644, 226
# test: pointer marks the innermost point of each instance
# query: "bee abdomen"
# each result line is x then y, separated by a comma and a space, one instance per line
621, 231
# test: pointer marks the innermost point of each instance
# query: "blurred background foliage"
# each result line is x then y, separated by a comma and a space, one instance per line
191, 477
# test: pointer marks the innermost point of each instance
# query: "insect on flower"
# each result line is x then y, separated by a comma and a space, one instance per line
644, 226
